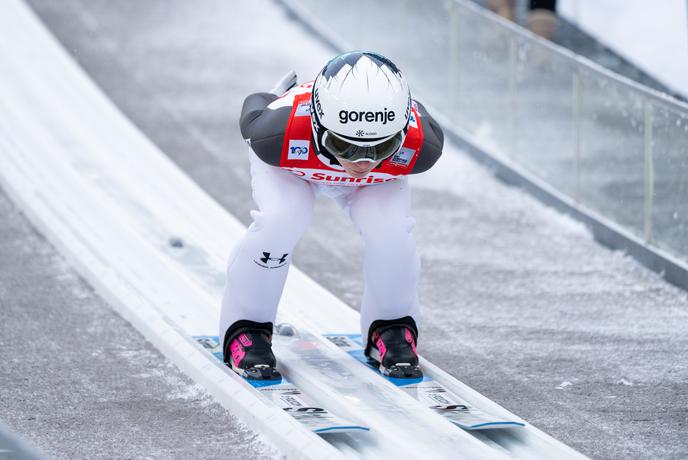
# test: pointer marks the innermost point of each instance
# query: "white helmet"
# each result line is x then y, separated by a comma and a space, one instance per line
360, 107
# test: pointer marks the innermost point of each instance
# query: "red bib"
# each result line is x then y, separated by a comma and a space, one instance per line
300, 157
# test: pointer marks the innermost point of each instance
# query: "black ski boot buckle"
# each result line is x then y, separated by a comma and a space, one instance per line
262, 372
404, 371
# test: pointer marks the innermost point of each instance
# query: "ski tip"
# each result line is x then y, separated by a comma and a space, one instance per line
340, 429
491, 425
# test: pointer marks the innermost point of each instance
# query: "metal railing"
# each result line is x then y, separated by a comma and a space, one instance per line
610, 146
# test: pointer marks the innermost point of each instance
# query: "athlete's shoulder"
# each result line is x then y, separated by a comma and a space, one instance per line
263, 122
433, 140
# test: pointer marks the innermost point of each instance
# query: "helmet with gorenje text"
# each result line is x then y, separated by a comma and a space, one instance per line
360, 107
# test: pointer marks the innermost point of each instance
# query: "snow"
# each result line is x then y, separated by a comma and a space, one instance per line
651, 34
564, 385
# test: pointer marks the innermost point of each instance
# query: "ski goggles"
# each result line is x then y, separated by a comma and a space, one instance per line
352, 150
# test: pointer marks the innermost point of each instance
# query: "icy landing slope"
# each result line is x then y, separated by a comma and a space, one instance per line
112, 202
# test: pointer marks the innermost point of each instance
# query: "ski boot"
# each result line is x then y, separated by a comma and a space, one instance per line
248, 350
392, 345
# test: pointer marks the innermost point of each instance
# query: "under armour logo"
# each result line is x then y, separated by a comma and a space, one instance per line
266, 257
267, 261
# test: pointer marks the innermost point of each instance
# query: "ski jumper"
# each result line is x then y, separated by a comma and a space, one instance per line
287, 173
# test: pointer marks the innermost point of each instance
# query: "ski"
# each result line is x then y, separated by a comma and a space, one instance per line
427, 391
289, 398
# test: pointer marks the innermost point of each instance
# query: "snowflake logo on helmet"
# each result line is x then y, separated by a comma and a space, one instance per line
360, 133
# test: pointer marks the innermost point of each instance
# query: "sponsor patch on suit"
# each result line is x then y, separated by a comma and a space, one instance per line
298, 149
303, 110
403, 156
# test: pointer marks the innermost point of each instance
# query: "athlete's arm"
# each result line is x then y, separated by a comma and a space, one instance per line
263, 127
433, 140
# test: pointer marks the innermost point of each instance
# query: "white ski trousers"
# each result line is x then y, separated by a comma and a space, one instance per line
258, 265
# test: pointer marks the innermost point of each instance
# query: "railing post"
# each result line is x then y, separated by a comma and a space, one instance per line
513, 50
649, 170
577, 100
453, 58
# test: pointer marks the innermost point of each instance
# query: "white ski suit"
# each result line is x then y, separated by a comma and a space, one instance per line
286, 177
